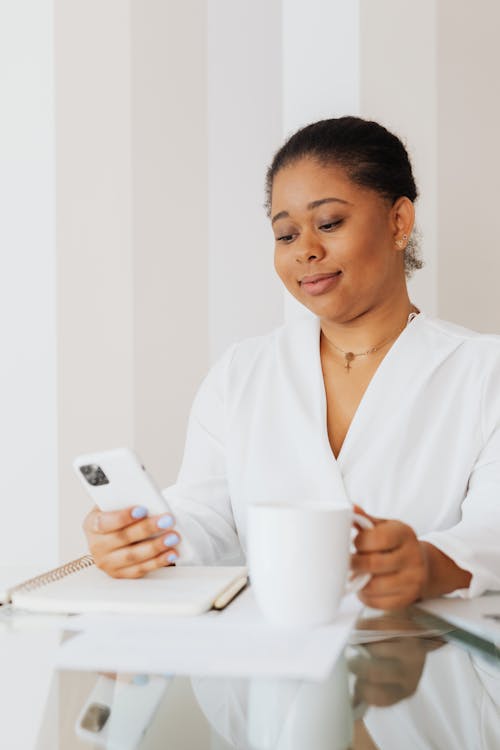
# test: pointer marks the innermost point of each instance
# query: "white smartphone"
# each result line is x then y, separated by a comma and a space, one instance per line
116, 479
118, 712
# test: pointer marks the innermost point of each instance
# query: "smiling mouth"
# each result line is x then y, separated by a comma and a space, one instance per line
321, 283
311, 281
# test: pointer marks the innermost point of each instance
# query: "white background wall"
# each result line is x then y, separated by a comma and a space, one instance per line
134, 138
95, 254
468, 163
320, 78
170, 224
28, 425
399, 87
244, 73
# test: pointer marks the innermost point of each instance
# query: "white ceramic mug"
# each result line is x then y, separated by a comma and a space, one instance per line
292, 715
298, 558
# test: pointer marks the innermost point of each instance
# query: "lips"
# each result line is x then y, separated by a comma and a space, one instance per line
320, 282
318, 277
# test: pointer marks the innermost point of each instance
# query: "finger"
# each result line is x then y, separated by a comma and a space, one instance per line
102, 545
137, 554
390, 583
104, 522
89, 522
386, 536
142, 530
146, 566
378, 562
123, 556
134, 532
375, 521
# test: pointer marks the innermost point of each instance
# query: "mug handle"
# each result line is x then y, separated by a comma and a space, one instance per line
358, 582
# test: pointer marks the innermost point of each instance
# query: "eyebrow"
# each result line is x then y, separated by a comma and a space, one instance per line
310, 206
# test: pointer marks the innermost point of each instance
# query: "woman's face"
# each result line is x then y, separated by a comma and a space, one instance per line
335, 245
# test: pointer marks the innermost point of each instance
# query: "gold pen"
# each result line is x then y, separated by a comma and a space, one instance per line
229, 593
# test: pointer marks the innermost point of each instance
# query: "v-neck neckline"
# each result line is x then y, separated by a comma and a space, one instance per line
366, 397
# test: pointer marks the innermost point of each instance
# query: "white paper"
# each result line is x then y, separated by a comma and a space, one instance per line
473, 615
235, 642
14, 620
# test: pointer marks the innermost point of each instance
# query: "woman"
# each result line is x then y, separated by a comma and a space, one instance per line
368, 396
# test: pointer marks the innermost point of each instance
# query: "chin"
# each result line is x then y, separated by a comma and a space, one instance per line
324, 309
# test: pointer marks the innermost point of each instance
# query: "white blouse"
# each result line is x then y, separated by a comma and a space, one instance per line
456, 705
423, 447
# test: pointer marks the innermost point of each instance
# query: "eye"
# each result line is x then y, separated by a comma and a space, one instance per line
331, 225
285, 238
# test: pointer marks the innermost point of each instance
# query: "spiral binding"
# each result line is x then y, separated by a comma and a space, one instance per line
54, 575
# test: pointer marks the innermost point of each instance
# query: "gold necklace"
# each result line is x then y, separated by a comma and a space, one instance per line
350, 356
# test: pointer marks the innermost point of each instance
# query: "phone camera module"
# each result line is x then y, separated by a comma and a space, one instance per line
94, 475
95, 717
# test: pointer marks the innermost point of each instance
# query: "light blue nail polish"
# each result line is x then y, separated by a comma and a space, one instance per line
165, 522
170, 540
139, 512
172, 558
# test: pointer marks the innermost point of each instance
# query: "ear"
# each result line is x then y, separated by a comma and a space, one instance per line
402, 221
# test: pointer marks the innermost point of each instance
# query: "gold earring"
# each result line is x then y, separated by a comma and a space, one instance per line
401, 243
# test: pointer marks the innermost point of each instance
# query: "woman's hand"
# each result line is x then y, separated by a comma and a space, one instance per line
127, 544
403, 568
397, 561
392, 671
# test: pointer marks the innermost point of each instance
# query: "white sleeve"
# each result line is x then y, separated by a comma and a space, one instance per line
474, 543
200, 498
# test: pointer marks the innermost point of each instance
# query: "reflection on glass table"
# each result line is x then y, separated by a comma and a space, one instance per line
267, 714
120, 709
420, 690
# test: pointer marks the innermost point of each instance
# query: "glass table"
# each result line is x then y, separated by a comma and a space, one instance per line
405, 681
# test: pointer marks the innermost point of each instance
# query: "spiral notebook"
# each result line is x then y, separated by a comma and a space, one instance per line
80, 587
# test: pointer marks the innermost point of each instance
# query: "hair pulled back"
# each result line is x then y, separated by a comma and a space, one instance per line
372, 157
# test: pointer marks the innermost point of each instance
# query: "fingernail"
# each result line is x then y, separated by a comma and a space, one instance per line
139, 512
172, 557
165, 522
170, 540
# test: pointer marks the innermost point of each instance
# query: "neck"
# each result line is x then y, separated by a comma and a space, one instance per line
369, 328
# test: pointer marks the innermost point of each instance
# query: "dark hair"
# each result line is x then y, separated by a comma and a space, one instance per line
372, 157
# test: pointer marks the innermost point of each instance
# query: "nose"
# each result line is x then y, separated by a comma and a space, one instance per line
309, 248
